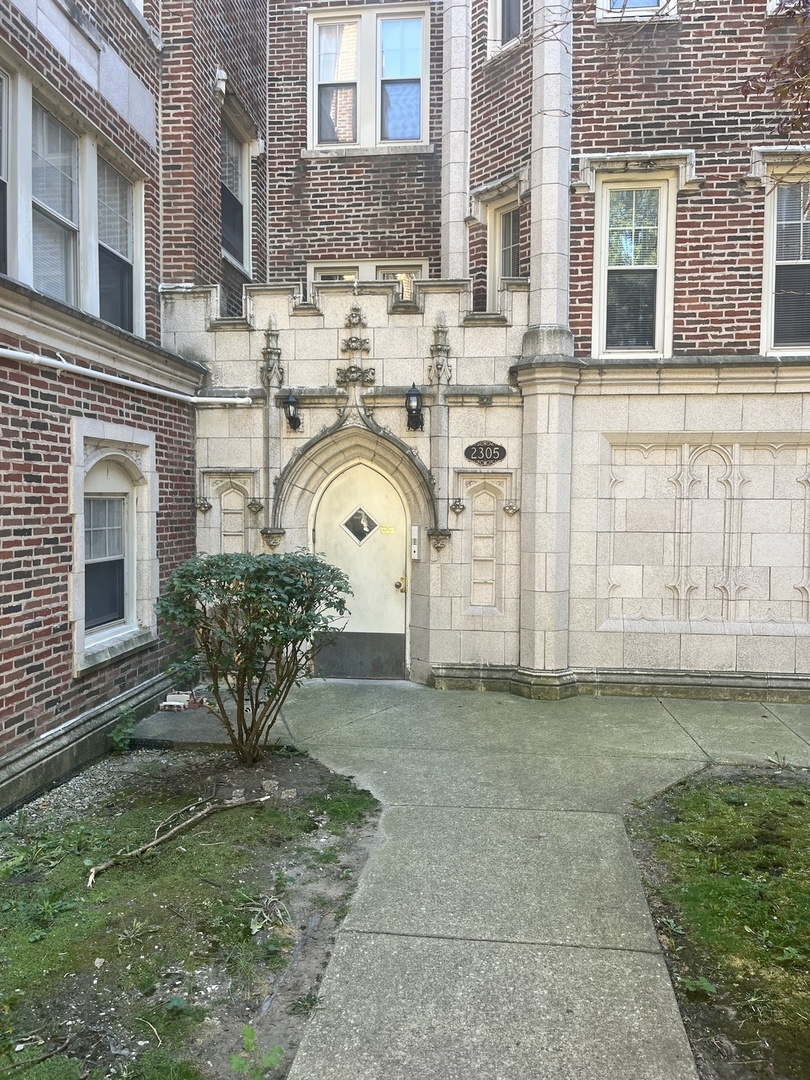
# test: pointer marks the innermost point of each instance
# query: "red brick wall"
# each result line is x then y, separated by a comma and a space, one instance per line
199, 38
663, 85
361, 207
36, 538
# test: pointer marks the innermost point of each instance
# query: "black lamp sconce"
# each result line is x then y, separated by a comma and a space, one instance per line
413, 407
291, 411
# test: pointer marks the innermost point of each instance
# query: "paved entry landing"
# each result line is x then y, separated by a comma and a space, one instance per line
499, 930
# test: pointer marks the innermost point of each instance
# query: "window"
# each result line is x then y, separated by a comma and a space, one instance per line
787, 306
115, 247
636, 9
368, 79
505, 22
55, 215
114, 495
634, 268
3, 173
71, 222
232, 192
406, 273
503, 254
104, 561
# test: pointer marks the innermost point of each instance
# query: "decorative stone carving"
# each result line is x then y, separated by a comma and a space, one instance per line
203, 505
273, 537
356, 374
457, 506
440, 370
355, 343
484, 400
255, 506
440, 538
511, 507
355, 317
272, 373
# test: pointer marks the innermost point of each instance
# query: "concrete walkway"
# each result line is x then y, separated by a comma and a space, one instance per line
500, 931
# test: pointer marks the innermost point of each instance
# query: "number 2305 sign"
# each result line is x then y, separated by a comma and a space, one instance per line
485, 453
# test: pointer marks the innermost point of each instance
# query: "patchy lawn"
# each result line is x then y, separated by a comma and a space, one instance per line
725, 857
153, 973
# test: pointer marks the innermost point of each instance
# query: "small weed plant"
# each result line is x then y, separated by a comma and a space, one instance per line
253, 1062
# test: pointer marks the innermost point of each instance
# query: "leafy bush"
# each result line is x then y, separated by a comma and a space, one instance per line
257, 620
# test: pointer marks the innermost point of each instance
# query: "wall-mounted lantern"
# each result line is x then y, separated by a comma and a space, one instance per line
291, 411
413, 407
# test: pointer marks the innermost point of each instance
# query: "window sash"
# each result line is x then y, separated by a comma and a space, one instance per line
115, 289
233, 225
634, 236
791, 272
511, 20
115, 211
104, 561
509, 234
231, 162
55, 166
54, 250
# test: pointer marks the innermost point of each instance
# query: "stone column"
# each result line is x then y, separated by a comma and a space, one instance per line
547, 373
550, 181
455, 138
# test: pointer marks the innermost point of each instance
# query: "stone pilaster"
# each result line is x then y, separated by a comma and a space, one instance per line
455, 138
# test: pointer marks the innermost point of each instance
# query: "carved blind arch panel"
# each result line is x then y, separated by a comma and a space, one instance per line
232, 519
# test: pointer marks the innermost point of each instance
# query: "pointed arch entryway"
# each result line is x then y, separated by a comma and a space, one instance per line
361, 498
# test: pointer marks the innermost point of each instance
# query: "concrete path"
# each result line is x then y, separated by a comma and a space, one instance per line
500, 931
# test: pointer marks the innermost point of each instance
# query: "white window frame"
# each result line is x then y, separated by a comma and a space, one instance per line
797, 172
495, 211
497, 44
366, 270
132, 450
667, 183
20, 201
5, 89
368, 116
655, 9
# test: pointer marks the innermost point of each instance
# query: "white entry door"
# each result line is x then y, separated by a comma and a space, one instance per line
360, 525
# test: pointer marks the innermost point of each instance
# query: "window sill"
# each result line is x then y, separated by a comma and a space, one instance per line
366, 151
636, 17
111, 646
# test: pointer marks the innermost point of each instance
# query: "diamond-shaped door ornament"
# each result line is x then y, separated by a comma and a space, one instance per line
360, 524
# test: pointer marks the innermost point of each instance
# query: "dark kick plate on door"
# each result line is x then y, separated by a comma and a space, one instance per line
363, 656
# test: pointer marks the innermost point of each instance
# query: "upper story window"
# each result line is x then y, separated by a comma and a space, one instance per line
405, 273
503, 246
369, 78
71, 222
786, 307
636, 9
3, 173
633, 285
505, 22
55, 215
232, 191
115, 246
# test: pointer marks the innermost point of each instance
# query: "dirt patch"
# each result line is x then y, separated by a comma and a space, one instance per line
304, 884
732, 1038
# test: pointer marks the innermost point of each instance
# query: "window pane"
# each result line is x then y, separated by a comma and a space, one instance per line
401, 110
115, 289
3, 231
620, 5
231, 161
510, 243
336, 114
114, 210
631, 298
633, 227
792, 306
401, 46
337, 52
54, 258
793, 223
55, 164
510, 19
103, 593
233, 237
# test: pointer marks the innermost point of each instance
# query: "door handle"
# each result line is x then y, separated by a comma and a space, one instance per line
401, 585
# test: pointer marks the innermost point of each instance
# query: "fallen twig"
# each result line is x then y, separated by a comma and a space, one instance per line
213, 808
35, 1061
